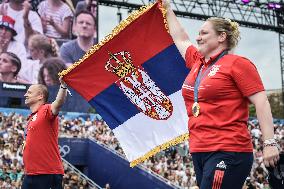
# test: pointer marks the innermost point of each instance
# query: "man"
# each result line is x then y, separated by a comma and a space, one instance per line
85, 28
28, 22
42, 161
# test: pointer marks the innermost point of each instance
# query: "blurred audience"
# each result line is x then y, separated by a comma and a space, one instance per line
85, 29
173, 165
90, 5
27, 21
56, 18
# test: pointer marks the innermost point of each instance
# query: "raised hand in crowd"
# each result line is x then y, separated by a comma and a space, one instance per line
3, 8
4, 42
26, 7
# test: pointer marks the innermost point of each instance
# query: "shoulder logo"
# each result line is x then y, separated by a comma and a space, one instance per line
34, 117
214, 70
221, 165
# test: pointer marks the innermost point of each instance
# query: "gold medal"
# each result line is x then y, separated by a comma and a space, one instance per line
195, 109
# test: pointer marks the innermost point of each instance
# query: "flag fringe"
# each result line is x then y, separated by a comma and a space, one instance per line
159, 148
122, 25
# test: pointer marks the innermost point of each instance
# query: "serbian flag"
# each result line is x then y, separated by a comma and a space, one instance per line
133, 79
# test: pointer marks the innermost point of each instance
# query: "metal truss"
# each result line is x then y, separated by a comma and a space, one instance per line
255, 14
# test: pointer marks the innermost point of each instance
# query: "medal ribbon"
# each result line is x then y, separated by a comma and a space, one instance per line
200, 76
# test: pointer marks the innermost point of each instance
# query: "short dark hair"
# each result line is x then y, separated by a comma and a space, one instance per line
85, 12
15, 61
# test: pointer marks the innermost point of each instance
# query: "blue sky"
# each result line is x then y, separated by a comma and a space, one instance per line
261, 47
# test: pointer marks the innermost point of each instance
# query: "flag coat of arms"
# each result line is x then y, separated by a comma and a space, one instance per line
133, 79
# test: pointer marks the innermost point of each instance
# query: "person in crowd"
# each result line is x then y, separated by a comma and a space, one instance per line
90, 5
10, 65
56, 18
7, 35
48, 73
27, 21
85, 28
40, 47
42, 162
217, 93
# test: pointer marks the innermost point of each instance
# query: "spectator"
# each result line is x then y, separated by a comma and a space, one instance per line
28, 21
40, 47
90, 5
10, 66
48, 73
56, 17
84, 27
7, 34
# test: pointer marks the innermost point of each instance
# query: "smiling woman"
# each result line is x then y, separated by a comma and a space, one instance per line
217, 92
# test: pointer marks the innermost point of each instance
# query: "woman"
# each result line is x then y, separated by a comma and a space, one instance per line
10, 65
217, 93
40, 47
56, 18
48, 73
7, 41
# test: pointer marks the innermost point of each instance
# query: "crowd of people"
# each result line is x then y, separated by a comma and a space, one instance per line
173, 165
11, 156
35, 33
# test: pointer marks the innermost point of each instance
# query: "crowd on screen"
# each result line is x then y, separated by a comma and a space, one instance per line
37, 42
173, 165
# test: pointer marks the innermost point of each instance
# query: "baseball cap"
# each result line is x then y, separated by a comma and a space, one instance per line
8, 22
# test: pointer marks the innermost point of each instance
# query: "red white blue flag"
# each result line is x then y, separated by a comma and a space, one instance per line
133, 79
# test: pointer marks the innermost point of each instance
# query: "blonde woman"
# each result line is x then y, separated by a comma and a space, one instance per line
40, 48
217, 93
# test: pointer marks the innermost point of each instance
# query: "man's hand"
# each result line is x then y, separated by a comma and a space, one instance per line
63, 84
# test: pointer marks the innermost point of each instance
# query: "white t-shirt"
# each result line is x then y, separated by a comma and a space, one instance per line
58, 17
30, 71
18, 49
19, 24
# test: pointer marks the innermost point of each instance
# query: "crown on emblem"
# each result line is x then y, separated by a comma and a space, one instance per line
120, 64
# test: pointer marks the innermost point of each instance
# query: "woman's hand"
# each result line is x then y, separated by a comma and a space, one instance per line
270, 156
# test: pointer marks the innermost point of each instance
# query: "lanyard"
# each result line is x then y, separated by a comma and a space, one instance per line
200, 76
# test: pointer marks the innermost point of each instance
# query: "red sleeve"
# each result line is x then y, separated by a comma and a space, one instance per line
191, 56
246, 77
49, 113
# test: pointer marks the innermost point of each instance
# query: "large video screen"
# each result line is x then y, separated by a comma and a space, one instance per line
37, 46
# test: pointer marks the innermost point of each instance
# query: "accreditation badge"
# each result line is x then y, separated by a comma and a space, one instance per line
195, 109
